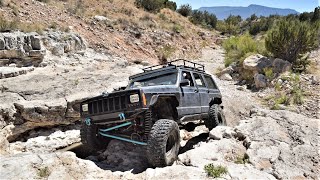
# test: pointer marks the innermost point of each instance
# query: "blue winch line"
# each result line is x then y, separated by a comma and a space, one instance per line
88, 121
116, 127
123, 139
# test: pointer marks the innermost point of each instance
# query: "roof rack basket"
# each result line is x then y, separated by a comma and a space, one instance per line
184, 63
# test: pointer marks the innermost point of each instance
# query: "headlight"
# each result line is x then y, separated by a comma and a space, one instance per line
84, 107
134, 98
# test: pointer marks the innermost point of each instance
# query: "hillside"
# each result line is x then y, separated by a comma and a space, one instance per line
119, 28
222, 12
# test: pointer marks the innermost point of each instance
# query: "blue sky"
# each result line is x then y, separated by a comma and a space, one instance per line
299, 5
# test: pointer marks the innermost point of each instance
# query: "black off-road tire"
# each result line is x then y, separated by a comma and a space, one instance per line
163, 143
215, 117
90, 138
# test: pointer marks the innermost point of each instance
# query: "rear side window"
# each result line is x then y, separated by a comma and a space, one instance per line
210, 82
198, 79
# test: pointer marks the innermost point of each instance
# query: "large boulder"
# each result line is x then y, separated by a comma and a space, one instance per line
282, 143
24, 49
256, 63
281, 66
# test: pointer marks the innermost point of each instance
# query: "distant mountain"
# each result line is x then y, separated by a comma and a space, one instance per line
222, 12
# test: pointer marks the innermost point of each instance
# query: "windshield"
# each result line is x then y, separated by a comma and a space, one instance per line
166, 79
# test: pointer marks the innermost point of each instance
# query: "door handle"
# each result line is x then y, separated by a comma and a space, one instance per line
196, 90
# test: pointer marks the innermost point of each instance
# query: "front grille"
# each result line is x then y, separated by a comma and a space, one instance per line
112, 103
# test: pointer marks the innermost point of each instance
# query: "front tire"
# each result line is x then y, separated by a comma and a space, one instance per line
90, 138
215, 117
163, 143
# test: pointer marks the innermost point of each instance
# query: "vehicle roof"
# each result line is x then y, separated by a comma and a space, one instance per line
167, 69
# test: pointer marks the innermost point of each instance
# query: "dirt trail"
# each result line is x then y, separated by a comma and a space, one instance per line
237, 100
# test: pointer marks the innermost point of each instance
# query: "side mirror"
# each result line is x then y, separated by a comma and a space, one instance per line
184, 82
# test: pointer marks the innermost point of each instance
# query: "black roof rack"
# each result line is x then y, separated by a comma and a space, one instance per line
196, 66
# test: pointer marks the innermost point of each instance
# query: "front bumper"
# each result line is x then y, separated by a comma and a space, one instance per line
116, 117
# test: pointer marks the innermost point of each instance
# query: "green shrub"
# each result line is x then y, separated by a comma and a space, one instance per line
215, 171
269, 73
163, 17
185, 10
230, 26
177, 28
170, 5
76, 8
165, 53
204, 19
316, 14
238, 48
242, 159
290, 39
7, 25
1, 3
44, 172
155, 5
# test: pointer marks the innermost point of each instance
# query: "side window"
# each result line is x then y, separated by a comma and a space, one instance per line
187, 75
210, 82
198, 79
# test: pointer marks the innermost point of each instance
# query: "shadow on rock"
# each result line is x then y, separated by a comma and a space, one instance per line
193, 141
123, 156
119, 156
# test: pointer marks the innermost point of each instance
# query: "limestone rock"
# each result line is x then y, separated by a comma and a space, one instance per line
21, 48
285, 144
100, 18
11, 71
281, 66
52, 166
54, 141
226, 77
228, 70
260, 81
4, 144
220, 132
256, 63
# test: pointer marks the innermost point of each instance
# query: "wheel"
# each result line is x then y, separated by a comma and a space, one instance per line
90, 138
163, 143
215, 117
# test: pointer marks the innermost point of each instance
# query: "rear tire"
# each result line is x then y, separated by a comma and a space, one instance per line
90, 138
163, 143
215, 117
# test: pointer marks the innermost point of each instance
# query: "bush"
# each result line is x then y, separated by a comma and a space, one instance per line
242, 159
185, 10
155, 5
204, 19
6, 26
171, 5
238, 48
316, 14
76, 8
165, 53
215, 171
290, 39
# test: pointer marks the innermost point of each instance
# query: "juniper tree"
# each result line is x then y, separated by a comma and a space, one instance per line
290, 39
